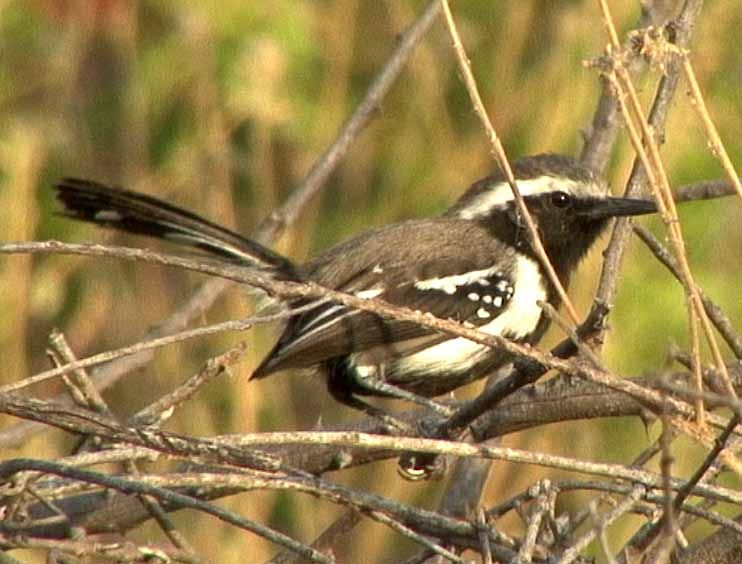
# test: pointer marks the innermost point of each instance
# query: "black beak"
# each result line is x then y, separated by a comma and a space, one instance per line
605, 208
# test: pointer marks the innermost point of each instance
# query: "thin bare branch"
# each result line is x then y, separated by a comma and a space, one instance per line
571, 554
722, 323
717, 147
498, 152
127, 485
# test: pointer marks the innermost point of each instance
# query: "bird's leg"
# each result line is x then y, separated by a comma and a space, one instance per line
341, 385
390, 421
374, 385
412, 466
344, 383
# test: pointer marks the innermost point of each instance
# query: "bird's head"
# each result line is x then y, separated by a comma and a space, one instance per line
570, 205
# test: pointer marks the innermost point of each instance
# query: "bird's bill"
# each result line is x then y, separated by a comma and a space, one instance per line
617, 207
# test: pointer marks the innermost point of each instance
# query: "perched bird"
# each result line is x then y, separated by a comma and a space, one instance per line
474, 264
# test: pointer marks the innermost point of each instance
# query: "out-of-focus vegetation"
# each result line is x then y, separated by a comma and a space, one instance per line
222, 106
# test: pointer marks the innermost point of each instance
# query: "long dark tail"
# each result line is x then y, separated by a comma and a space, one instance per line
144, 215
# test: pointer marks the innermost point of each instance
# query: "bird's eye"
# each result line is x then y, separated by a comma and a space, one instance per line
560, 199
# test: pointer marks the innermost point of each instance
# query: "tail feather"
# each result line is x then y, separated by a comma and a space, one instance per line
128, 211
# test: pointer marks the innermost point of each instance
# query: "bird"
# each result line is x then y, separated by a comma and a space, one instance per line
474, 263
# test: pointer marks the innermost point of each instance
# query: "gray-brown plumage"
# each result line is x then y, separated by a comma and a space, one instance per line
473, 264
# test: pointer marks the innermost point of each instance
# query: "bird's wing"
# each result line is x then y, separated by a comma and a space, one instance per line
449, 287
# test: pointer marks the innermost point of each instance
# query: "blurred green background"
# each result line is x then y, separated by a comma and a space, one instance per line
223, 106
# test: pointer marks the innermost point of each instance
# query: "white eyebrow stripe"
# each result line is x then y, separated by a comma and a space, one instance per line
500, 194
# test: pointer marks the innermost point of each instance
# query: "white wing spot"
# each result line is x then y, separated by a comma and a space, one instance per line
377, 269
366, 372
473, 296
449, 284
108, 215
497, 301
487, 299
369, 294
518, 319
483, 313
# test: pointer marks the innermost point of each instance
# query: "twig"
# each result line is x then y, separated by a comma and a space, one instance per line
683, 27
342, 526
667, 524
235, 455
674, 506
127, 351
486, 549
717, 147
658, 181
416, 537
318, 457
601, 532
106, 376
96, 402
710, 459
591, 511
525, 554
714, 399
119, 551
134, 254
659, 184
571, 554
164, 405
80, 421
605, 124
716, 315
498, 152
362, 115
92, 398
704, 190
656, 498
127, 485
584, 350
